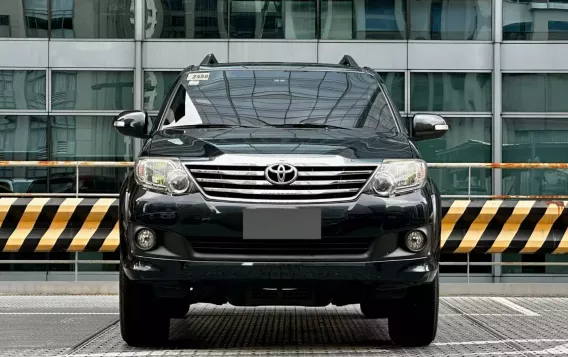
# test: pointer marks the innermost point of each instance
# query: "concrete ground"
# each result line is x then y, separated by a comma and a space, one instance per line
87, 326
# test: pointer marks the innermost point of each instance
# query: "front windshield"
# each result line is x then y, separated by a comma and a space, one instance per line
281, 97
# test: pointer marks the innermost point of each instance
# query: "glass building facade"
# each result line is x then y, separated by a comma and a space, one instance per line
494, 69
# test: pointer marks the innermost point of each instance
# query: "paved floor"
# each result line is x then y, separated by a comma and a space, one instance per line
87, 326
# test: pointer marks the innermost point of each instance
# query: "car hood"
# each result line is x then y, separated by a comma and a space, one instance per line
212, 142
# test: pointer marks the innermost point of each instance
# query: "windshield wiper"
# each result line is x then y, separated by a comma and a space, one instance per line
212, 126
308, 125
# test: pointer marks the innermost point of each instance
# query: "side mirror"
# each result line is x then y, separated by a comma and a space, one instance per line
428, 126
132, 123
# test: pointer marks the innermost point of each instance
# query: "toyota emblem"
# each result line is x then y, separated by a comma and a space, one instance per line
281, 174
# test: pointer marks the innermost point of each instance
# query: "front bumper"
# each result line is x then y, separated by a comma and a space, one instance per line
392, 274
200, 240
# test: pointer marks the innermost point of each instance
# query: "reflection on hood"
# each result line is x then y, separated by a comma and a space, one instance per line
207, 143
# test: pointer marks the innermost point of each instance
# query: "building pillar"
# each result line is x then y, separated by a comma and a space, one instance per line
496, 128
139, 20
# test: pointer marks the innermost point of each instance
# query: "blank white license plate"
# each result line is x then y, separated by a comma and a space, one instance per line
282, 223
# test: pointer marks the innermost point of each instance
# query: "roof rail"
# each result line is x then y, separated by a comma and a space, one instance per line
348, 61
209, 60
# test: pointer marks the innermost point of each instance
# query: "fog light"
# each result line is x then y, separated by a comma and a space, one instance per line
415, 241
145, 239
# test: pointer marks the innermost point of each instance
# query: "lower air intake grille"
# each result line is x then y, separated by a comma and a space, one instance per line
312, 183
234, 246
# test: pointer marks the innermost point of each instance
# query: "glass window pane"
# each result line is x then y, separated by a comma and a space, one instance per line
89, 90
467, 140
462, 258
535, 92
156, 88
395, 84
98, 256
514, 257
92, 19
87, 138
535, 140
186, 19
293, 19
22, 90
23, 18
100, 180
38, 267
537, 20
450, 92
456, 20
22, 138
363, 20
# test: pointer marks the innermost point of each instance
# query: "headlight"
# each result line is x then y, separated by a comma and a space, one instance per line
396, 177
163, 175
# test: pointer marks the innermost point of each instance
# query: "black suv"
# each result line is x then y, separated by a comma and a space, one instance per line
279, 184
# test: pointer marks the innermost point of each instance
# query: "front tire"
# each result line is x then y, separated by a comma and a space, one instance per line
143, 320
415, 320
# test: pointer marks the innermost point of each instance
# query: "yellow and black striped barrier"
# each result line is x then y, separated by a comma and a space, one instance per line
504, 226
478, 226
58, 224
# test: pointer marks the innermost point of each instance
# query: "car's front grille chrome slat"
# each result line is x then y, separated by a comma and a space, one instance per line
280, 192
335, 173
313, 183
228, 172
266, 183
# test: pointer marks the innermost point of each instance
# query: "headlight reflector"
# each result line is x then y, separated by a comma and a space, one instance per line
163, 175
396, 177
178, 181
384, 184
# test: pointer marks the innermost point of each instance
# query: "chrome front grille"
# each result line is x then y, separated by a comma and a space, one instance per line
314, 183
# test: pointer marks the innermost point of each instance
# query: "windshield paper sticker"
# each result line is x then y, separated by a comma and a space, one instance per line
197, 77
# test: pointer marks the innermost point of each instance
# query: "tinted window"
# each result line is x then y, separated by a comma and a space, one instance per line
23, 18
450, 92
186, 19
455, 20
363, 20
156, 88
394, 81
22, 138
87, 138
56, 185
292, 19
22, 90
535, 92
535, 140
66, 183
543, 20
265, 97
92, 19
92, 90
